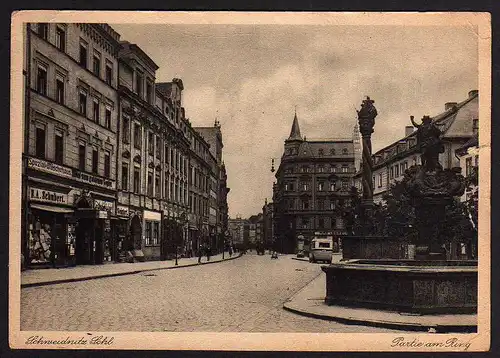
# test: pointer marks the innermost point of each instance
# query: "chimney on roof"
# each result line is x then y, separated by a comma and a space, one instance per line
473, 93
449, 105
408, 130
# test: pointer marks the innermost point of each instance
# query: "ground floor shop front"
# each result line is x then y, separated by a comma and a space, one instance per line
67, 227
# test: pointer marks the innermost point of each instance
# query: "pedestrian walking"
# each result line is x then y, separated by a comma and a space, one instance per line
208, 253
230, 251
199, 254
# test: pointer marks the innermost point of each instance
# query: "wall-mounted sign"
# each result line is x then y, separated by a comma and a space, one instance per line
104, 205
92, 179
59, 170
49, 167
47, 196
122, 211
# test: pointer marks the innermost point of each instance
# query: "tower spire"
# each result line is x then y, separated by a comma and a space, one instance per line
295, 132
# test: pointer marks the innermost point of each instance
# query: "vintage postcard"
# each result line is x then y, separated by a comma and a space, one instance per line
250, 181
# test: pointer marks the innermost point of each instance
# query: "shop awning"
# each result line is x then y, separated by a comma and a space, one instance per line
54, 209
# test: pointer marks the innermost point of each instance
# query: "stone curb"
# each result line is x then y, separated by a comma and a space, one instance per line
116, 274
373, 322
384, 324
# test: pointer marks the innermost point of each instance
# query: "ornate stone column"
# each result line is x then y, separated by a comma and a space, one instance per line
366, 120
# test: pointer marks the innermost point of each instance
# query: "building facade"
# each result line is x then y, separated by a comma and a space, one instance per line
113, 170
236, 232
313, 183
70, 143
217, 186
199, 192
458, 124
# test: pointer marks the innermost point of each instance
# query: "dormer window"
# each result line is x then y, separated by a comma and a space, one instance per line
332, 151
344, 151
320, 152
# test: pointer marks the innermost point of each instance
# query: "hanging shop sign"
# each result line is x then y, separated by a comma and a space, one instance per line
59, 170
122, 211
47, 196
104, 205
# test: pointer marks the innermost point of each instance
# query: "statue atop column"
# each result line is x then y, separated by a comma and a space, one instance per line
366, 116
429, 143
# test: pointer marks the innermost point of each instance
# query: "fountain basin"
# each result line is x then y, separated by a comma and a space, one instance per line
411, 286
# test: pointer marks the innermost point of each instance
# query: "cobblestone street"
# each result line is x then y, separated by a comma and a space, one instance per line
242, 295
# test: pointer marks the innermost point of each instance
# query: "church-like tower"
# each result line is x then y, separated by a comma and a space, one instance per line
294, 141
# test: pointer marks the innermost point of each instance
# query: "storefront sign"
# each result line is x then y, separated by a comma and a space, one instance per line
59, 170
47, 196
49, 167
122, 211
104, 205
92, 179
152, 215
102, 214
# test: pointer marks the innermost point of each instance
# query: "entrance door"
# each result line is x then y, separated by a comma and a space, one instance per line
84, 242
136, 232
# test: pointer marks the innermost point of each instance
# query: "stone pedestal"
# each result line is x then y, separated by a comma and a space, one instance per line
418, 287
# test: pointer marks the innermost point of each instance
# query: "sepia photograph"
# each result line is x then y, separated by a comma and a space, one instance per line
250, 181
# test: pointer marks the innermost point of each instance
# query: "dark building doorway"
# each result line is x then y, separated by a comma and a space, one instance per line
136, 232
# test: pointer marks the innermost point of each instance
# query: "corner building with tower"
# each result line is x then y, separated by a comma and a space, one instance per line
312, 188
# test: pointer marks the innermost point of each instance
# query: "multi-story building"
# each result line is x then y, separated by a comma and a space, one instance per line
153, 155
458, 123
223, 207
236, 230
313, 183
199, 169
217, 184
113, 169
71, 110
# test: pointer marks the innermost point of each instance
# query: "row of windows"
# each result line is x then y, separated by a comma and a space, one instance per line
198, 204
174, 190
60, 42
41, 152
321, 151
60, 97
395, 171
321, 169
321, 204
304, 186
175, 158
333, 223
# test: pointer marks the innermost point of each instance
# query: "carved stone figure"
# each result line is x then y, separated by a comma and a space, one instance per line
429, 143
366, 116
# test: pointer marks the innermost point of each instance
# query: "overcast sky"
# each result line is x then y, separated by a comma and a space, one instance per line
252, 77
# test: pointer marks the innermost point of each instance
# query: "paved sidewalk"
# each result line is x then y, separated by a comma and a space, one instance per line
40, 277
310, 302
